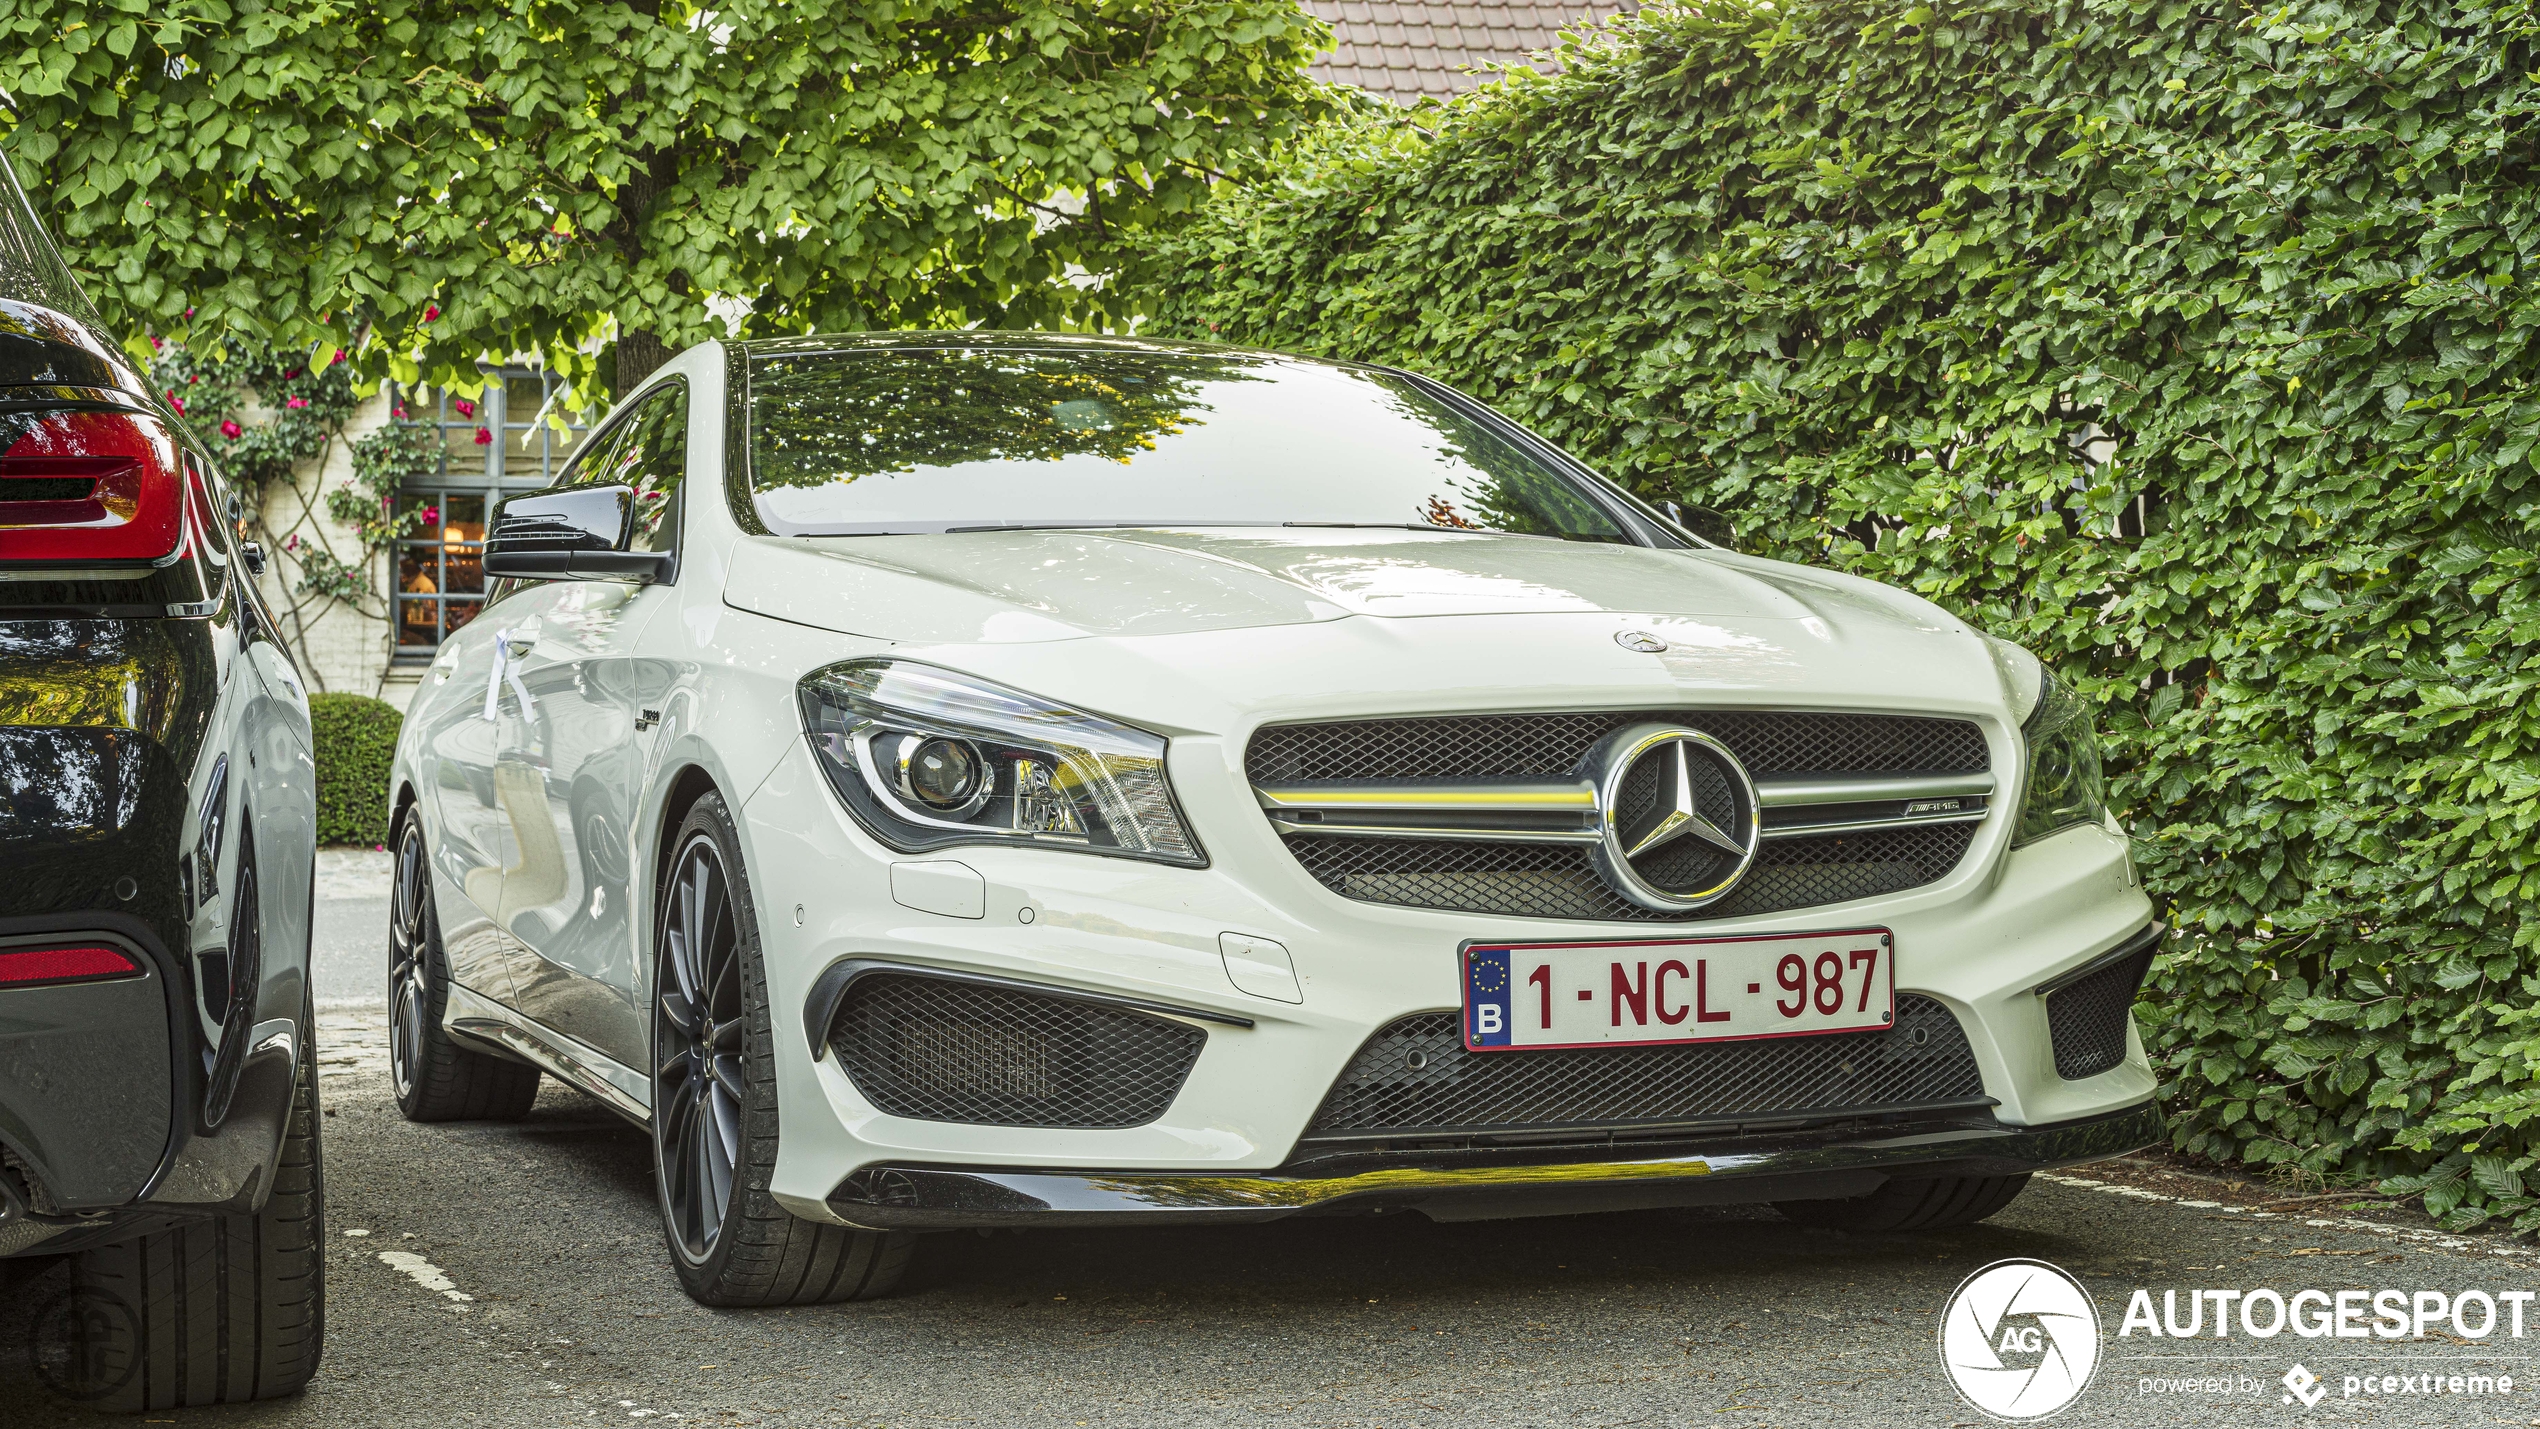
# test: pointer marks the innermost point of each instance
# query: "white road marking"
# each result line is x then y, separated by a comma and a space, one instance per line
2441, 1239
424, 1273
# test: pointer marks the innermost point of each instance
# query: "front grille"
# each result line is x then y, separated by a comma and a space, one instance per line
1549, 746
2087, 1018
941, 1050
1415, 1077
1535, 880
1557, 881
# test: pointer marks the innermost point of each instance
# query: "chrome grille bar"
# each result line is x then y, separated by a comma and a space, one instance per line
1538, 811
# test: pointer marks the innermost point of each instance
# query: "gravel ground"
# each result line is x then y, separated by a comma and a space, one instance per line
571, 1316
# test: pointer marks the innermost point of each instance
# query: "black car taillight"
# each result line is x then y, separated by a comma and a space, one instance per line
89, 486
84, 962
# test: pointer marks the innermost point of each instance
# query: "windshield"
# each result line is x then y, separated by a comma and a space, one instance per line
956, 438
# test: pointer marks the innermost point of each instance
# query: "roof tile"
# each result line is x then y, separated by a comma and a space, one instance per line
1402, 49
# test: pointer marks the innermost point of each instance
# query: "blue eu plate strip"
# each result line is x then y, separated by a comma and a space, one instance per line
1486, 995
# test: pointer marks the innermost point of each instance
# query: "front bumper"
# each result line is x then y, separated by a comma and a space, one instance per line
1495, 1184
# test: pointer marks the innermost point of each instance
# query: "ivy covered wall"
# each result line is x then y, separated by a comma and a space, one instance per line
2187, 342
317, 464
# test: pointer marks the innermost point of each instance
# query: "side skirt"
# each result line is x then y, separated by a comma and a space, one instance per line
620, 1088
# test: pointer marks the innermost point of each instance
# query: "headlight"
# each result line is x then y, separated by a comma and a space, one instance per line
2064, 785
924, 757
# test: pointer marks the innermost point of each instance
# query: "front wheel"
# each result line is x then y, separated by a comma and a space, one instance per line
435, 1078
714, 1101
1927, 1204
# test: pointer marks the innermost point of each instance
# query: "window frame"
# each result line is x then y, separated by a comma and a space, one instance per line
537, 468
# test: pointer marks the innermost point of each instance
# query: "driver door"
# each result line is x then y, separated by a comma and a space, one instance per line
580, 747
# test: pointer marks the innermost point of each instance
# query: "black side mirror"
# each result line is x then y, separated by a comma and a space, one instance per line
578, 532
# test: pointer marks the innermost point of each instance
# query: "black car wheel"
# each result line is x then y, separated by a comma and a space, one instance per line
221, 1310
435, 1078
714, 1100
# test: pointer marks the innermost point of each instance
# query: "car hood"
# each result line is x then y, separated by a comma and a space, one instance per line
1191, 631
1003, 587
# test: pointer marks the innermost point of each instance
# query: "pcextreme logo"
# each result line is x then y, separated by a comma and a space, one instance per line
2020, 1339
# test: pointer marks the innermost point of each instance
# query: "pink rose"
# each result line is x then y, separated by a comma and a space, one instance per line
230, 430
296, 403
397, 412
463, 407
432, 312
180, 403
484, 438
338, 357
157, 346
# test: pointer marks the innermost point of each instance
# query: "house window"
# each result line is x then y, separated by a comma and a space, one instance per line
488, 447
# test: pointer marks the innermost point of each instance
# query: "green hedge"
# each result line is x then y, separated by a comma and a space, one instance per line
356, 739
1862, 277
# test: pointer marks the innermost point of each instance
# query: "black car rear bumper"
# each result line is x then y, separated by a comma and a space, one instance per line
1495, 1183
86, 1090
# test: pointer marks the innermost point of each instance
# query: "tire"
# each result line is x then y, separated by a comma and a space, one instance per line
220, 1311
1933, 1203
434, 1077
714, 1100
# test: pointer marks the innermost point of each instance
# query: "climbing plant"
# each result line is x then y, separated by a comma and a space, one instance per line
267, 414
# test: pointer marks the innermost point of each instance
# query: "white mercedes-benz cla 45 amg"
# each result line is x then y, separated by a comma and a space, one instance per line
943, 781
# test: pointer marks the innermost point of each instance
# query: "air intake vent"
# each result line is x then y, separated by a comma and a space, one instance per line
2087, 1018
1415, 1077
940, 1050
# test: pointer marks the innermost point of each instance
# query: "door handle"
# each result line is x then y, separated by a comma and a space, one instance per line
507, 670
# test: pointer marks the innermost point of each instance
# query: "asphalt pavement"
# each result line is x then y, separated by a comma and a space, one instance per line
506, 1275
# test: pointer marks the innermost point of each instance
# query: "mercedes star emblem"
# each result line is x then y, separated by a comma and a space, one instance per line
1678, 815
1640, 640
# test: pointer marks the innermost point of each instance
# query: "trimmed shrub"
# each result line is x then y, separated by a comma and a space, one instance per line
356, 738
2188, 343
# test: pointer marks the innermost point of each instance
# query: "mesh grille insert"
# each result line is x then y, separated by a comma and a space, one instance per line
1415, 1076
1557, 881
940, 1050
2087, 1019
1549, 746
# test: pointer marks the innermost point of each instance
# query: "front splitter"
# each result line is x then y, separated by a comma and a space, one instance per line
1794, 1166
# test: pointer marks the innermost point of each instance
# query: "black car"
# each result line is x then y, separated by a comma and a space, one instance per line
158, 1098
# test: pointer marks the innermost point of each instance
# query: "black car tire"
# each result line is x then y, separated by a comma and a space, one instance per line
435, 1078
1930, 1203
218, 1311
714, 1101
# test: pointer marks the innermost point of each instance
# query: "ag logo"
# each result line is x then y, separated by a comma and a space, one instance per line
2020, 1339
84, 1344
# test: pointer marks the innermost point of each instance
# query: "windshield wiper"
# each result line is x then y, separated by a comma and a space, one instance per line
1413, 526
1091, 526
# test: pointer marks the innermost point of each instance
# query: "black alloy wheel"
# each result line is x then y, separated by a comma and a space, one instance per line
405, 936
714, 1098
697, 1026
434, 1077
